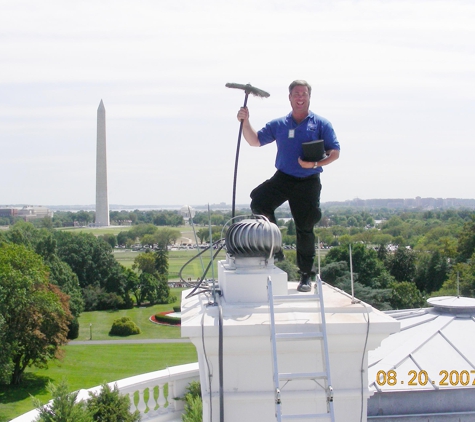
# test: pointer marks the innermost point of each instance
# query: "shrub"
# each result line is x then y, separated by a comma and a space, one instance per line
73, 329
193, 403
108, 405
124, 327
290, 268
167, 319
63, 406
98, 299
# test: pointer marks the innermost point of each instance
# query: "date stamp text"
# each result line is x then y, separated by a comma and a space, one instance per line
421, 378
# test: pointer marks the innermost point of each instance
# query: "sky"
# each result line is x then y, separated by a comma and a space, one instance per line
395, 78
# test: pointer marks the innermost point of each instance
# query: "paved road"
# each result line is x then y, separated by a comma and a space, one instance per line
144, 341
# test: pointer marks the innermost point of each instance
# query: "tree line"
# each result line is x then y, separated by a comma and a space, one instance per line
399, 258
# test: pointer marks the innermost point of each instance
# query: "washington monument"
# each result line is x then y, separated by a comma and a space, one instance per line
102, 200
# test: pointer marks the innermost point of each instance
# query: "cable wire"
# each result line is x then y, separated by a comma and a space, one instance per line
210, 374
363, 357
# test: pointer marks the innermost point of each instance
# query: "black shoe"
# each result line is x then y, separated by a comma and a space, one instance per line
305, 283
279, 256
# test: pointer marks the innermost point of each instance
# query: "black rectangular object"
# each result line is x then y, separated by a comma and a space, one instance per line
313, 150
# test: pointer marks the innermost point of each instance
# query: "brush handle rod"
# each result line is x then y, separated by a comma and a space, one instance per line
236, 161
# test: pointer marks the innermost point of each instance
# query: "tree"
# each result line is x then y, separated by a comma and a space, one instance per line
5, 363
405, 295
108, 405
461, 280
165, 236
84, 217
379, 298
335, 272
402, 265
145, 263
432, 270
193, 411
148, 239
291, 231
93, 262
382, 253
122, 238
133, 283
364, 260
366, 236
61, 274
153, 279
136, 232
325, 235
466, 241
382, 239
64, 407
217, 219
162, 292
161, 262
36, 313
203, 234
338, 275
23, 233
47, 223
110, 238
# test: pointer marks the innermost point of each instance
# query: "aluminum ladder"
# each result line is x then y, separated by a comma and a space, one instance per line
319, 378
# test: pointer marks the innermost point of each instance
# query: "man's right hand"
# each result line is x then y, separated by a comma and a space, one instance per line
250, 135
243, 114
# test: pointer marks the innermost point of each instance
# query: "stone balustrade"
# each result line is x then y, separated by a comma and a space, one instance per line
155, 394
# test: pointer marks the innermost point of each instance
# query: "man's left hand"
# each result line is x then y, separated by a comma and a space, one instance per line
306, 164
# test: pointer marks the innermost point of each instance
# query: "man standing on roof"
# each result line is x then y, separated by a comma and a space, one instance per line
296, 181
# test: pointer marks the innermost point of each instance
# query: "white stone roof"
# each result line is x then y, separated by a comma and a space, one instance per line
434, 350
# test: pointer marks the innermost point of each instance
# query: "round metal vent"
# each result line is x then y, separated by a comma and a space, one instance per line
253, 238
453, 304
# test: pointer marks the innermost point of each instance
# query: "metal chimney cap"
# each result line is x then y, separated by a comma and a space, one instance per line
455, 304
253, 238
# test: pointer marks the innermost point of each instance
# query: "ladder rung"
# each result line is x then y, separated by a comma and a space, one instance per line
301, 336
296, 298
289, 376
308, 416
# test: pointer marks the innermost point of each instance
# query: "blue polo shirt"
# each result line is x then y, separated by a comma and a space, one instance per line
290, 136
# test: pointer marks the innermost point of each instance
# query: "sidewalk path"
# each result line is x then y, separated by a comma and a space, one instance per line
144, 341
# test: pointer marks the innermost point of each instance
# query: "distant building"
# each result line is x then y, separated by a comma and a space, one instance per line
8, 212
405, 203
187, 212
32, 213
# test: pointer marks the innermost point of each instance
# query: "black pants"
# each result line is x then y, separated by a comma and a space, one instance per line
303, 195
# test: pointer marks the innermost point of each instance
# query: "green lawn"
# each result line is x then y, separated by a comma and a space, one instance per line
100, 323
176, 260
88, 366
97, 231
